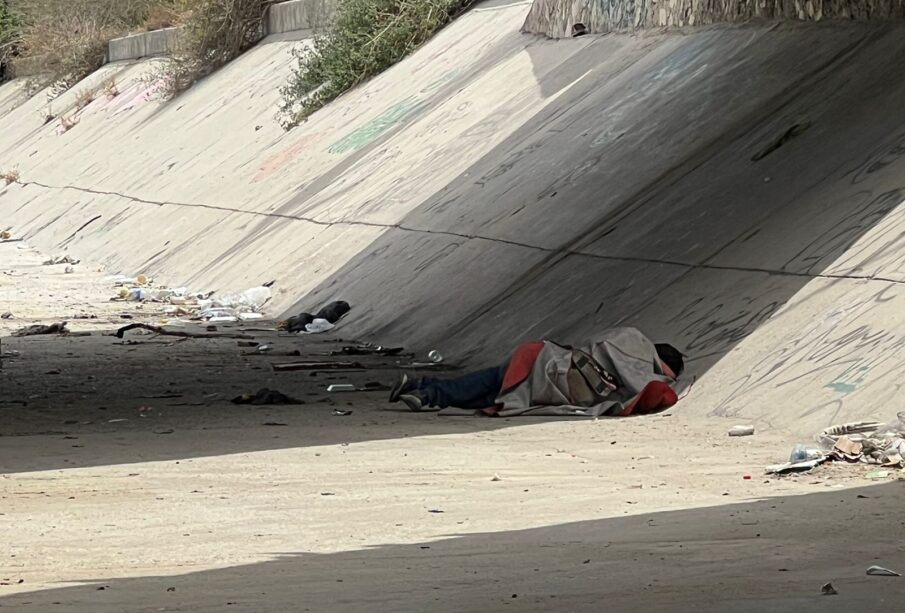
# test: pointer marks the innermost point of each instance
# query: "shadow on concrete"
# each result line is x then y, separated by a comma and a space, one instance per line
687, 185
767, 555
71, 402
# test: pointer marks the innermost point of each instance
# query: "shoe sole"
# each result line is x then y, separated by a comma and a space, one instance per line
414, 405
396, 392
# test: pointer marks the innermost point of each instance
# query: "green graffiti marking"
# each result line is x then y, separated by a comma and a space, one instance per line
392, 116
850, 378
371, 130
842, 388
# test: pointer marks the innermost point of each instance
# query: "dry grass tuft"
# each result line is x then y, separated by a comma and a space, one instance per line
160, 17
47, 114
109, 88
10, 176
67, 123
83, 98
62, 41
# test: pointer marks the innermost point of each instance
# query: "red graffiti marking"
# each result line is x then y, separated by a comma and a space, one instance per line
282, 158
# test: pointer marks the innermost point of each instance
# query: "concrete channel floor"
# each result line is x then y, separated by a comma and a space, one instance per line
130, 482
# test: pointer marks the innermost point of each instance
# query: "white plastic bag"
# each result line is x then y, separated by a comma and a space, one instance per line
318, 325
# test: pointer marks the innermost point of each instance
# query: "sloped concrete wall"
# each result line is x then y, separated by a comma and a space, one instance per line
12, 94
736, 191
556, 18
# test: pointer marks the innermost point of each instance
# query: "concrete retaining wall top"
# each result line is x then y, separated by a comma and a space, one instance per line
292, 16
145, 44
299, 15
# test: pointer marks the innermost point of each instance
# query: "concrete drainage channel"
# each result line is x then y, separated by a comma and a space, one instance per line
492, 187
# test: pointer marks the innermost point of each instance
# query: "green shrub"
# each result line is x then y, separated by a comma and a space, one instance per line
9, 34
366, 38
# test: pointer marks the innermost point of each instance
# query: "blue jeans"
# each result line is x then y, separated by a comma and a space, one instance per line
476, 390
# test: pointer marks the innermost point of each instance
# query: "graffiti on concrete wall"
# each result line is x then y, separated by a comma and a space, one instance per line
875, 218
282, 158
370, 130
392, 116
848, 349
707, 328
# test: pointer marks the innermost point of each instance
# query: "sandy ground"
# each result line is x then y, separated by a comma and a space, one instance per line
130, 482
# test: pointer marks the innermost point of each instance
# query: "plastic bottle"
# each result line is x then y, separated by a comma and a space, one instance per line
803, 453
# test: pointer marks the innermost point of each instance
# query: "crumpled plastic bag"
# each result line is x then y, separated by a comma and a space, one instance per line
318, 325
231, 307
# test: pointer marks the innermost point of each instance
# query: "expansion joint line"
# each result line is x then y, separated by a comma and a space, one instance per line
478, 237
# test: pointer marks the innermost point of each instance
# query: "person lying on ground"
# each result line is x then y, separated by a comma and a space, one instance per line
620, 372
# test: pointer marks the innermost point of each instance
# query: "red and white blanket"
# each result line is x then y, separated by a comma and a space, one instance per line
537, 378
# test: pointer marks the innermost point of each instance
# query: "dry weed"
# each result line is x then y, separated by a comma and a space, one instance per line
47, 114
109, 88
65, 40
214, 32
67, 123
83, 98
160, 17
10, 176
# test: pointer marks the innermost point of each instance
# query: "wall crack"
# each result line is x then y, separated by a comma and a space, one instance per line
464, 236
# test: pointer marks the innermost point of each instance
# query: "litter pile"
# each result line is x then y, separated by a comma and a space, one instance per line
210, 307
199, 306
866, 442
323, 320
237, 306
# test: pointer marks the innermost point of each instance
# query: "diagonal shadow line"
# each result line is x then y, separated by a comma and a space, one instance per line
670, 177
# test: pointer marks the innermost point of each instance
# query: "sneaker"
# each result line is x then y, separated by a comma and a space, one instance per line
414, 401
404, 385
